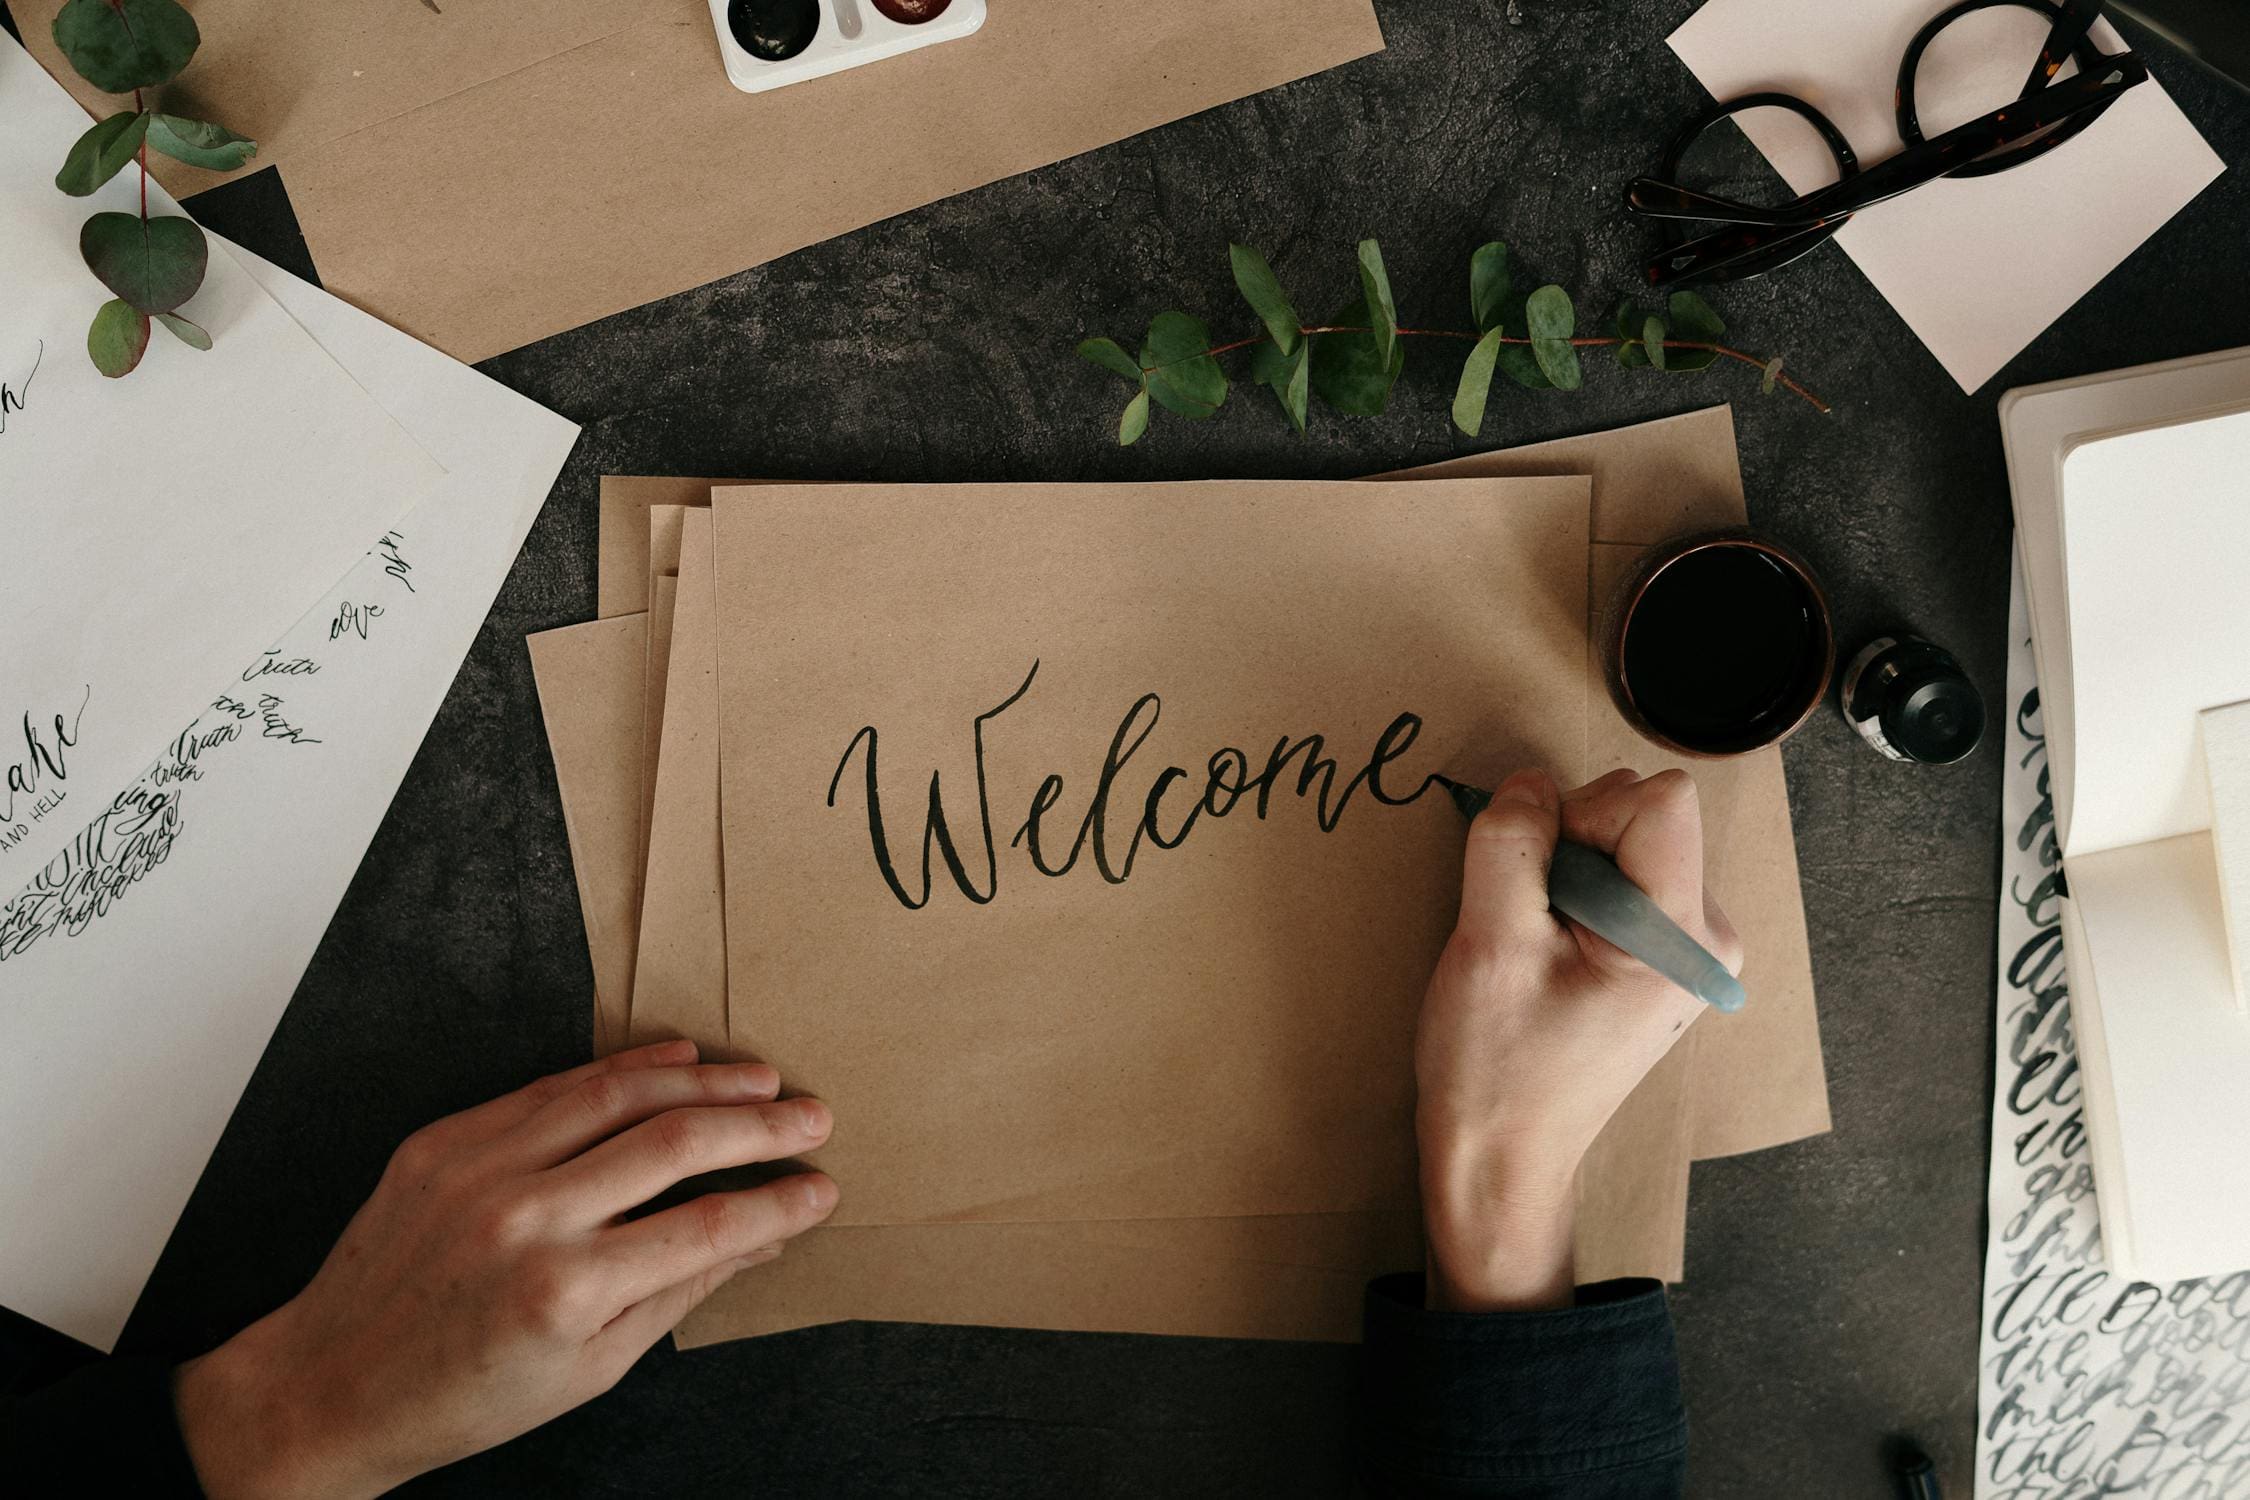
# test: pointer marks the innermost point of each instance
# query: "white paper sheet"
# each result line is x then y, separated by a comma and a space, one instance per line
2038, 424
1976, 268
2155, 529
162, 528
142, 975
2089, 1384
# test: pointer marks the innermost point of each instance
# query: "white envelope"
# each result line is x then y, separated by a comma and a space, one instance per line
156, 532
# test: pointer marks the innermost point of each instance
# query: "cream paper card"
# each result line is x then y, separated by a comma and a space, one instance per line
144, 969
1977, 268
164, 529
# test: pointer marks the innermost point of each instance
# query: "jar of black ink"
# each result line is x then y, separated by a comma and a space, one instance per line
1910, 699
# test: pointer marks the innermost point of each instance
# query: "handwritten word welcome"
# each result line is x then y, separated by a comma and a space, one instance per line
12, 398
1228, 780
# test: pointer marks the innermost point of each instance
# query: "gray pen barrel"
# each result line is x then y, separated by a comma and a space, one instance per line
1587, 887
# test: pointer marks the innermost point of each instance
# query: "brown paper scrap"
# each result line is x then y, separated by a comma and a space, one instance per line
994, 1036
673, 178
589, 681
679, 982
1758, 1080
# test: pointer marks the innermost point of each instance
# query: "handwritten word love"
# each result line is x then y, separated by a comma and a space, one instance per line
1228, 780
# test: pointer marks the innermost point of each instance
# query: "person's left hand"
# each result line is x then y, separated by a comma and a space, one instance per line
493, 1281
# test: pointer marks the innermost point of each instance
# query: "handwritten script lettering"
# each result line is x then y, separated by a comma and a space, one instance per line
354, 619
129, 840
2091, 1386
274, 664
1229, 777
394, 560
43, 759
13, 397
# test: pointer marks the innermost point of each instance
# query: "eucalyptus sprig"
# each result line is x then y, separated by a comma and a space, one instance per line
153, 265
1531, 338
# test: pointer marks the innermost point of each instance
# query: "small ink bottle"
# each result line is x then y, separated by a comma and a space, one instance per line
1910, 699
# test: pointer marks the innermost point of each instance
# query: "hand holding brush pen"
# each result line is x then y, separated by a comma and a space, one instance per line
1586, 886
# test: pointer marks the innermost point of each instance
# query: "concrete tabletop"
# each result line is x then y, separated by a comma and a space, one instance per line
1832, 1286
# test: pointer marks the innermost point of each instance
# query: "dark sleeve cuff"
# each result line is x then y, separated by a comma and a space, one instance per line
108, 1427
1581, 1401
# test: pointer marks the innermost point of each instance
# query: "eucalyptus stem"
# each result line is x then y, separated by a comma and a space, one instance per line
1532, 339
1721, 350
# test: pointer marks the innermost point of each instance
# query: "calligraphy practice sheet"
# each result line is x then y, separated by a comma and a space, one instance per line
1045, 802
162, 529
2090, 1384
143, 971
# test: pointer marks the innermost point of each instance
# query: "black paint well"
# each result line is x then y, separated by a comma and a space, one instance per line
774, 30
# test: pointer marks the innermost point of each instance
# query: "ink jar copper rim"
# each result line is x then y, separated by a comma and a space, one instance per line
1718, 644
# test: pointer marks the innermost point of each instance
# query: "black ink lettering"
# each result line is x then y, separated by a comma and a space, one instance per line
12, 399
934, 826
394, 560
1227, 781
45, 759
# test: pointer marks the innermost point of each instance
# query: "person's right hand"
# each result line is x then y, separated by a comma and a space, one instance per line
493, 1282
1534, 1030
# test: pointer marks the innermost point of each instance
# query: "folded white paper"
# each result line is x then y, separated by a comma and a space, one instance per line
2129, 540
1977, 268
160, 529
143, 972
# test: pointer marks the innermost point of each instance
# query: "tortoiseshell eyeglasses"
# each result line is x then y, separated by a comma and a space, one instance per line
1755, 240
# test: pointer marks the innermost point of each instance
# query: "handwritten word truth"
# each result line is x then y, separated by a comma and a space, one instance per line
1228, 780
44, 760
274, 664
12, 398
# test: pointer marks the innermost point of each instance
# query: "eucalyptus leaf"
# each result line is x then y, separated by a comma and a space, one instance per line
200, 143
122, 45
1489, 286
1134, 422
102, 152
1350, 374
1269, 366
1109, 356
1630, 326
1552, 321
1375, 285
1182, 375
191, 334
1694, 320
1263, 292
1772, 375
153, 264
1652, 341
118, 338
1476, 384
1296, 396
1510, 316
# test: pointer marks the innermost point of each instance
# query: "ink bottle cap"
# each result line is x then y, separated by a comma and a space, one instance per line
1910, 699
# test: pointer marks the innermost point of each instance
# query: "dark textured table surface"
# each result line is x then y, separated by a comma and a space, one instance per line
1832, 1286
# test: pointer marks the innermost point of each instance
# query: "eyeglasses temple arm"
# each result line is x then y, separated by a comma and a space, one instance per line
2072, 22
1654, 199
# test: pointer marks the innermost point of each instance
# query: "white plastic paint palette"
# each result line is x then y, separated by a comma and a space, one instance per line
767, 43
